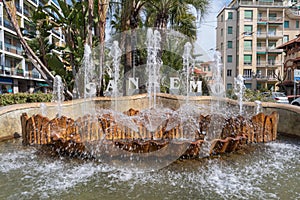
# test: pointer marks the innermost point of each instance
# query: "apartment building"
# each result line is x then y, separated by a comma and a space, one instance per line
248, 32
17, 74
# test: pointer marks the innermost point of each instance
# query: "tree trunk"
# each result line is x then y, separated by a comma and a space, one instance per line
89, 40
102, 13
38, 64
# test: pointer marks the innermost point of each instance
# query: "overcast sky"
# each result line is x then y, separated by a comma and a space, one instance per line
206, 31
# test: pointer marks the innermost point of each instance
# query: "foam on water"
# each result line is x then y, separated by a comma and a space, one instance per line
271, 171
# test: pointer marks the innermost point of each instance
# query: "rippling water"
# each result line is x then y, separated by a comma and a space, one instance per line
269, 171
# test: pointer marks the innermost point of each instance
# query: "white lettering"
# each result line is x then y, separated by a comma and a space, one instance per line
174, 83
196, 85
133, 82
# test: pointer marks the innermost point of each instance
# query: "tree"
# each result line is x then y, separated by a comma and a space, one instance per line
38, 64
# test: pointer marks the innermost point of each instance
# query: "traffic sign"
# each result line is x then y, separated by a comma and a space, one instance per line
297, 75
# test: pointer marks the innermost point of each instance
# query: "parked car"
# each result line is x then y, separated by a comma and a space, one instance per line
280, 97
296, 102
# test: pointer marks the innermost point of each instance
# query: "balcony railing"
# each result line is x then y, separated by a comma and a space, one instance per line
36, 75
261, 3
26, 12
273, 63
261, 64
19, 8
275, 19
8, 25
261, 49
34, 1
274, 50
13, 49
261, 34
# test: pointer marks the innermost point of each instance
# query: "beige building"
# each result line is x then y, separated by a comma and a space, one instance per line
17, 74
248, 32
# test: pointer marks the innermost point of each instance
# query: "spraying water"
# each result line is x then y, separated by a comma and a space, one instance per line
188, 67
217, 87
258, 107
88, 66
153, 65
43, 109
239, 89
58, 96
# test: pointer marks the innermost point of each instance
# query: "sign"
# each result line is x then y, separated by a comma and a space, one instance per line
297, 75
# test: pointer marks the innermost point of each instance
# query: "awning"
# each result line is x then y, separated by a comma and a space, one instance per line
42, 84
261, 52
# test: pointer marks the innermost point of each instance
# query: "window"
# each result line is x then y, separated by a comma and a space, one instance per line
229, 71
248, 30
229, 44
285, 38
229, 86
248, 15
230, 15
221, 32
286, 24
247, 59
221, 18
248, 45
221, 46
248, 85
229, 58
229, 30
297, 24
247, 73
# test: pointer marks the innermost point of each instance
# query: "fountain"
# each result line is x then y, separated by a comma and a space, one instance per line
58, 96
151, 136
155, 134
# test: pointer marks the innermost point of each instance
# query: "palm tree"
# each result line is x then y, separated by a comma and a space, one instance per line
175, 14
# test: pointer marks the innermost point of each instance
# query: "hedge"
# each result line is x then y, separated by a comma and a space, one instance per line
9, 99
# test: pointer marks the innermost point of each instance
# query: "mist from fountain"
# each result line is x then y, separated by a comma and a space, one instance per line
188, 68
115, 53
58, 93
239, 89
217, 88
153, 65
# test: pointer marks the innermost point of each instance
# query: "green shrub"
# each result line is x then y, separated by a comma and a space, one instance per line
9, 99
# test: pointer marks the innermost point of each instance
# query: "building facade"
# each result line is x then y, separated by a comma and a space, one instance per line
17, 74
248, 32
291, 63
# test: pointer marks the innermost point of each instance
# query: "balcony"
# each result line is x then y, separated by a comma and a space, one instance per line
13, 49
275, 35
26, 12
261, 34
293, 12
274, 50
8, 24
261, 64
56, 32
19, 9
36, 75
274, 63
261, 49
260, 3
33, 1
275, 20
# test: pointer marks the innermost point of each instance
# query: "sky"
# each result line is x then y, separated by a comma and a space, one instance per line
206, 38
